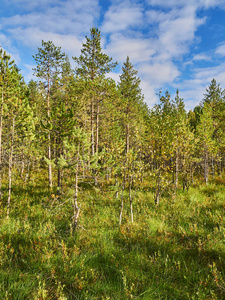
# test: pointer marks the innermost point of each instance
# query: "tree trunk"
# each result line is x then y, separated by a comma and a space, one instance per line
59, 173
59, 181
49, 165
177, 170
117, 187
10, 167
127, 138
22, 166
92, 128
158, 190
27, 173
121, 206
76, 208
213, 168
97, 126
49, 138
131, 201
220, 168
206, 166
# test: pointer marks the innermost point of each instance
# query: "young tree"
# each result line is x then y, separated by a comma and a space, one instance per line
207, 145
76, 145
162, 139
20, 125
132, 98
92, 65
63, 114
214, 99
131, 173
6, 66
214, 94
49, 59
183, 144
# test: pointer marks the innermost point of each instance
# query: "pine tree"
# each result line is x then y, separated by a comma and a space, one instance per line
213, 95
19, 124
92, 65
49, 59
207, 144
215, 99
183, 144
6, 66
75, 147
162, 138
132, 99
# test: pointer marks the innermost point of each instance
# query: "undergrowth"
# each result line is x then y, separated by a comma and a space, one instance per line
175, 250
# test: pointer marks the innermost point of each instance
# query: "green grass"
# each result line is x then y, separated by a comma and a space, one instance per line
173, 251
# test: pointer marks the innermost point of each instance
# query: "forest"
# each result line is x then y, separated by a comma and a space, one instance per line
102, 197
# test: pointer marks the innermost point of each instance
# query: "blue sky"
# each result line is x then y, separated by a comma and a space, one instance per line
172, 43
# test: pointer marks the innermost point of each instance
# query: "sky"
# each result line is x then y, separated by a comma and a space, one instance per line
174, 44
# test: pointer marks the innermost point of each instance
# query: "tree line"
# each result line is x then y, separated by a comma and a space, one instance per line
79, 125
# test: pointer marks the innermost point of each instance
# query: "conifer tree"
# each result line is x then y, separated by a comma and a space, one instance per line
183, 143
132, 98
49, 59
6, 66
214, 99
213, 95
63, 114
207, 144
75, 145
20, 126
92, 65
162, 136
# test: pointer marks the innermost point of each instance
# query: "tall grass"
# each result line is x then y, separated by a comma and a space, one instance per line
172, 251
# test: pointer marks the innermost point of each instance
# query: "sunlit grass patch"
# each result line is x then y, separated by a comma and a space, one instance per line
171, 251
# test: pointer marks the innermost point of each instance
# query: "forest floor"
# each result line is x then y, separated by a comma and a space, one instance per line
175, 250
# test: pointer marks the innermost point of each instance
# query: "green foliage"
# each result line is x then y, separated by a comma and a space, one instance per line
93, 62
95, 232
131, 104
48, 59
214, 94
174, 250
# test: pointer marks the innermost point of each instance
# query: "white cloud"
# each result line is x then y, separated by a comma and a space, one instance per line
207, 74
156, 51
28, 72
159, 73
114, 76
180, 3
137, 49
220, 50
120, 17
63, 22
201, 56
149, 92
27, 4
69, 17
31, 36
6, 45
176, 32
193, 90
68, 6
4, 41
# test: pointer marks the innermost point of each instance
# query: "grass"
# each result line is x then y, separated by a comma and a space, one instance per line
173, 251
